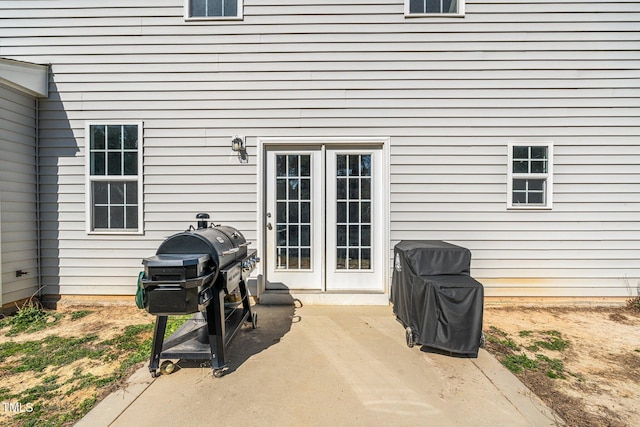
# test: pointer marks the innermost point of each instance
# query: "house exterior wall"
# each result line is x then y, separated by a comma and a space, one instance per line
449, 93
18, 220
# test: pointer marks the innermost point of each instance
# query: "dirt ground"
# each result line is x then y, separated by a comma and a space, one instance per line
598, 380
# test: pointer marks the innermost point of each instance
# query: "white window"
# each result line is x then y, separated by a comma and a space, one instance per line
213, 9
530, 175
114, 177
433, 7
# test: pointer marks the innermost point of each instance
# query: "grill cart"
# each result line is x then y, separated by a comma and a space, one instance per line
435, 298
193, 272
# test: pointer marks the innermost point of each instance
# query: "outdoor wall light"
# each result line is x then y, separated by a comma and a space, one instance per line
237, 143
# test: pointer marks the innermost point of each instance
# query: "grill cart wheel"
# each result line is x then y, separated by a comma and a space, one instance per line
218, 373
254, 320
483, 340
167, 367
409, 335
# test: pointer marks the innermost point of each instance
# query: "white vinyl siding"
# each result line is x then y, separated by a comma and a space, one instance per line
18, 219
450, 94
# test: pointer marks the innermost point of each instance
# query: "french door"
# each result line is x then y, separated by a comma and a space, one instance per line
324, 219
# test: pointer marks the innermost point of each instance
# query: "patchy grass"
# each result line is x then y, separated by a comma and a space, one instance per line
55, 366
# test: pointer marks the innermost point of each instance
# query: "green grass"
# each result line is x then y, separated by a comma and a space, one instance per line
30, 318
76, 315
517, 363
553, 341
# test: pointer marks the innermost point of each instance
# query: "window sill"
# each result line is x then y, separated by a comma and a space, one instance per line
213, 18
115, 233
433, 15
529, 208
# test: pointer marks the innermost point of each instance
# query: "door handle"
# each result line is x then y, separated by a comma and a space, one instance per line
269, 226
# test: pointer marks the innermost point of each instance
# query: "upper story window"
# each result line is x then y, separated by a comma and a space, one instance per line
530, 182
114, 177
213, 9
433, 7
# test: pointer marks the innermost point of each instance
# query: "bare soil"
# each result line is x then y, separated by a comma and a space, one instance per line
598, 381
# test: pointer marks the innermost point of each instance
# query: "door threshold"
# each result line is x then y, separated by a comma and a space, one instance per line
322, 298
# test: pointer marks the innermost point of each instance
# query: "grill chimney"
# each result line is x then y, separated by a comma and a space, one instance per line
202, 220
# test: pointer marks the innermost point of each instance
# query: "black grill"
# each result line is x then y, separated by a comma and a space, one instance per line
193, 272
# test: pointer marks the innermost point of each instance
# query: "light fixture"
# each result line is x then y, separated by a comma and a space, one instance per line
237, 143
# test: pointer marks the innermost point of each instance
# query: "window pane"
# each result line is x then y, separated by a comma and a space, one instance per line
281, 165
282, 236
365, 187
354, 258
365, 238
293, 258
100, 193
416, 6
131, 137
281, 215
354, 235
354, 212
132, 217
539, 167
114, 161
519, 184
116, 193
366, 212
535, 184
365, 259
293, 165
305, 165
131, 190
354, 187
116, 216
536, 198
341, 235
293, 211
230, 8
519, 198
365, 165
305, 235
341, 165
114, 135
198, 8
131, 163
520, 167
538, 152
214, 8
281, 188
293, 235
341, 259
101, 217
293, 189
354, 165
433, 6
97, 137
305, 212
305, 259
342, 212
341, 190
305, 189
520, 152
98, 164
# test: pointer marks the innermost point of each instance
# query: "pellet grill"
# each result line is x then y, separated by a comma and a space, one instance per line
204, 271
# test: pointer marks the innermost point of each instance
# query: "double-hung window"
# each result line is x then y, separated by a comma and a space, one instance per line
213, 9
530, 175
433, 7
114, 177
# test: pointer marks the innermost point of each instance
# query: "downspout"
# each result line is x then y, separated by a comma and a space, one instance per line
38, 224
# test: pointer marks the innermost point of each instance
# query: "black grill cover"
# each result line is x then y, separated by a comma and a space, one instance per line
444, 310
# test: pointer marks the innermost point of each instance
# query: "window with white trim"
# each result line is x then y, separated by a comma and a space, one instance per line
213, 9
530, 181
114, 177
433, 7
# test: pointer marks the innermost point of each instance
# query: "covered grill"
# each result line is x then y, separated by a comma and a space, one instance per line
193, 272
435, 297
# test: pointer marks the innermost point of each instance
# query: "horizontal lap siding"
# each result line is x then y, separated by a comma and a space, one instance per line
18, 236
451, 93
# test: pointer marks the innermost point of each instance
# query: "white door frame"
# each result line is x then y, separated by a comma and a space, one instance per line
354, 298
